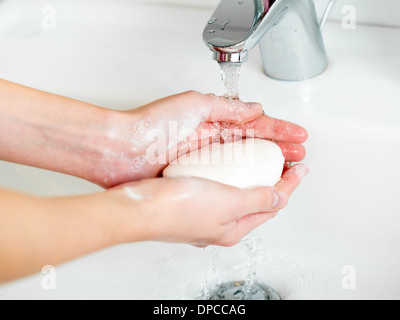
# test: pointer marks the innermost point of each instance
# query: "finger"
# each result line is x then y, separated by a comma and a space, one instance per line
232, 111
265, 127
291, 179
206, 108
255, 200
201, 246
292, 151
206, 134
237, 230
250, 222
209, 132
267, 199
278, 130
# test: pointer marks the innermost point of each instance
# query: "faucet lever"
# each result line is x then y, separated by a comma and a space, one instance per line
327, 13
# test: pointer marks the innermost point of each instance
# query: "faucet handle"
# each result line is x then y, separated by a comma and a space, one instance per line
327, 13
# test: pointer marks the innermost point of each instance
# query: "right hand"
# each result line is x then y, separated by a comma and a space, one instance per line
197, 211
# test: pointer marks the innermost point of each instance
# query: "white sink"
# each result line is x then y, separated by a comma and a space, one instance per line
341, 225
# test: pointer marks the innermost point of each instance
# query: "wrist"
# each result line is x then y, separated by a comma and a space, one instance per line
126, 215
84, 143
124, 149
86, 223
117, 151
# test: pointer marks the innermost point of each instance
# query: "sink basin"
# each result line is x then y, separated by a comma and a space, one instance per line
339, 236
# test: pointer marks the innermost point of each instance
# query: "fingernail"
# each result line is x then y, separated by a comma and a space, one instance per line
301, 170
278, 200
254, 105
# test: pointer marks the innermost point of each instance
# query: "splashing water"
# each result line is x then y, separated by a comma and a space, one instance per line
252, 246
230, 73
244, 287
249, 288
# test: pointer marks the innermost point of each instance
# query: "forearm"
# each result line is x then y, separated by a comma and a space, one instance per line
103, 146
38, 232
52, 132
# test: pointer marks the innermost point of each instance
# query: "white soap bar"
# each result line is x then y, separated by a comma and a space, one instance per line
243, 164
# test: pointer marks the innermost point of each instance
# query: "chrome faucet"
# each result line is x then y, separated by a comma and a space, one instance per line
288, 32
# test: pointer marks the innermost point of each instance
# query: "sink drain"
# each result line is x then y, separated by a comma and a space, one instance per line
241, 291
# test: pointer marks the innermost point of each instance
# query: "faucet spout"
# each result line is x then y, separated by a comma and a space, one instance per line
288, 32
234, 29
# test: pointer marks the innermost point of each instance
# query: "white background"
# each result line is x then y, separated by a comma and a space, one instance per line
382, 12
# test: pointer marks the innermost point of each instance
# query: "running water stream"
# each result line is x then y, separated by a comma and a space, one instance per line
230, 73
248, 288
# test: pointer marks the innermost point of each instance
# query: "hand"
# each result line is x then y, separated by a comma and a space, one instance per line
108, 147
142, 142
196, 211
185, 210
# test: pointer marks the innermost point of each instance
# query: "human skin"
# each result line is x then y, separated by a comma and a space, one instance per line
107, 147
103, 146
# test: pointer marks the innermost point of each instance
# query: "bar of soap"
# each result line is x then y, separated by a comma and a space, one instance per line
243, 164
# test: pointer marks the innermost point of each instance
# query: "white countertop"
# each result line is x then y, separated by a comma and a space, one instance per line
124, 55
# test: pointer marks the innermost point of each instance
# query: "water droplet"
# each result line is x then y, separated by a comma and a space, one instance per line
147, 123
211, 31
212, 20
240, 2
225, 24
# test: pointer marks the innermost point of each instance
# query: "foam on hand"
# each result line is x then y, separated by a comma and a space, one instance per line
243, 164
